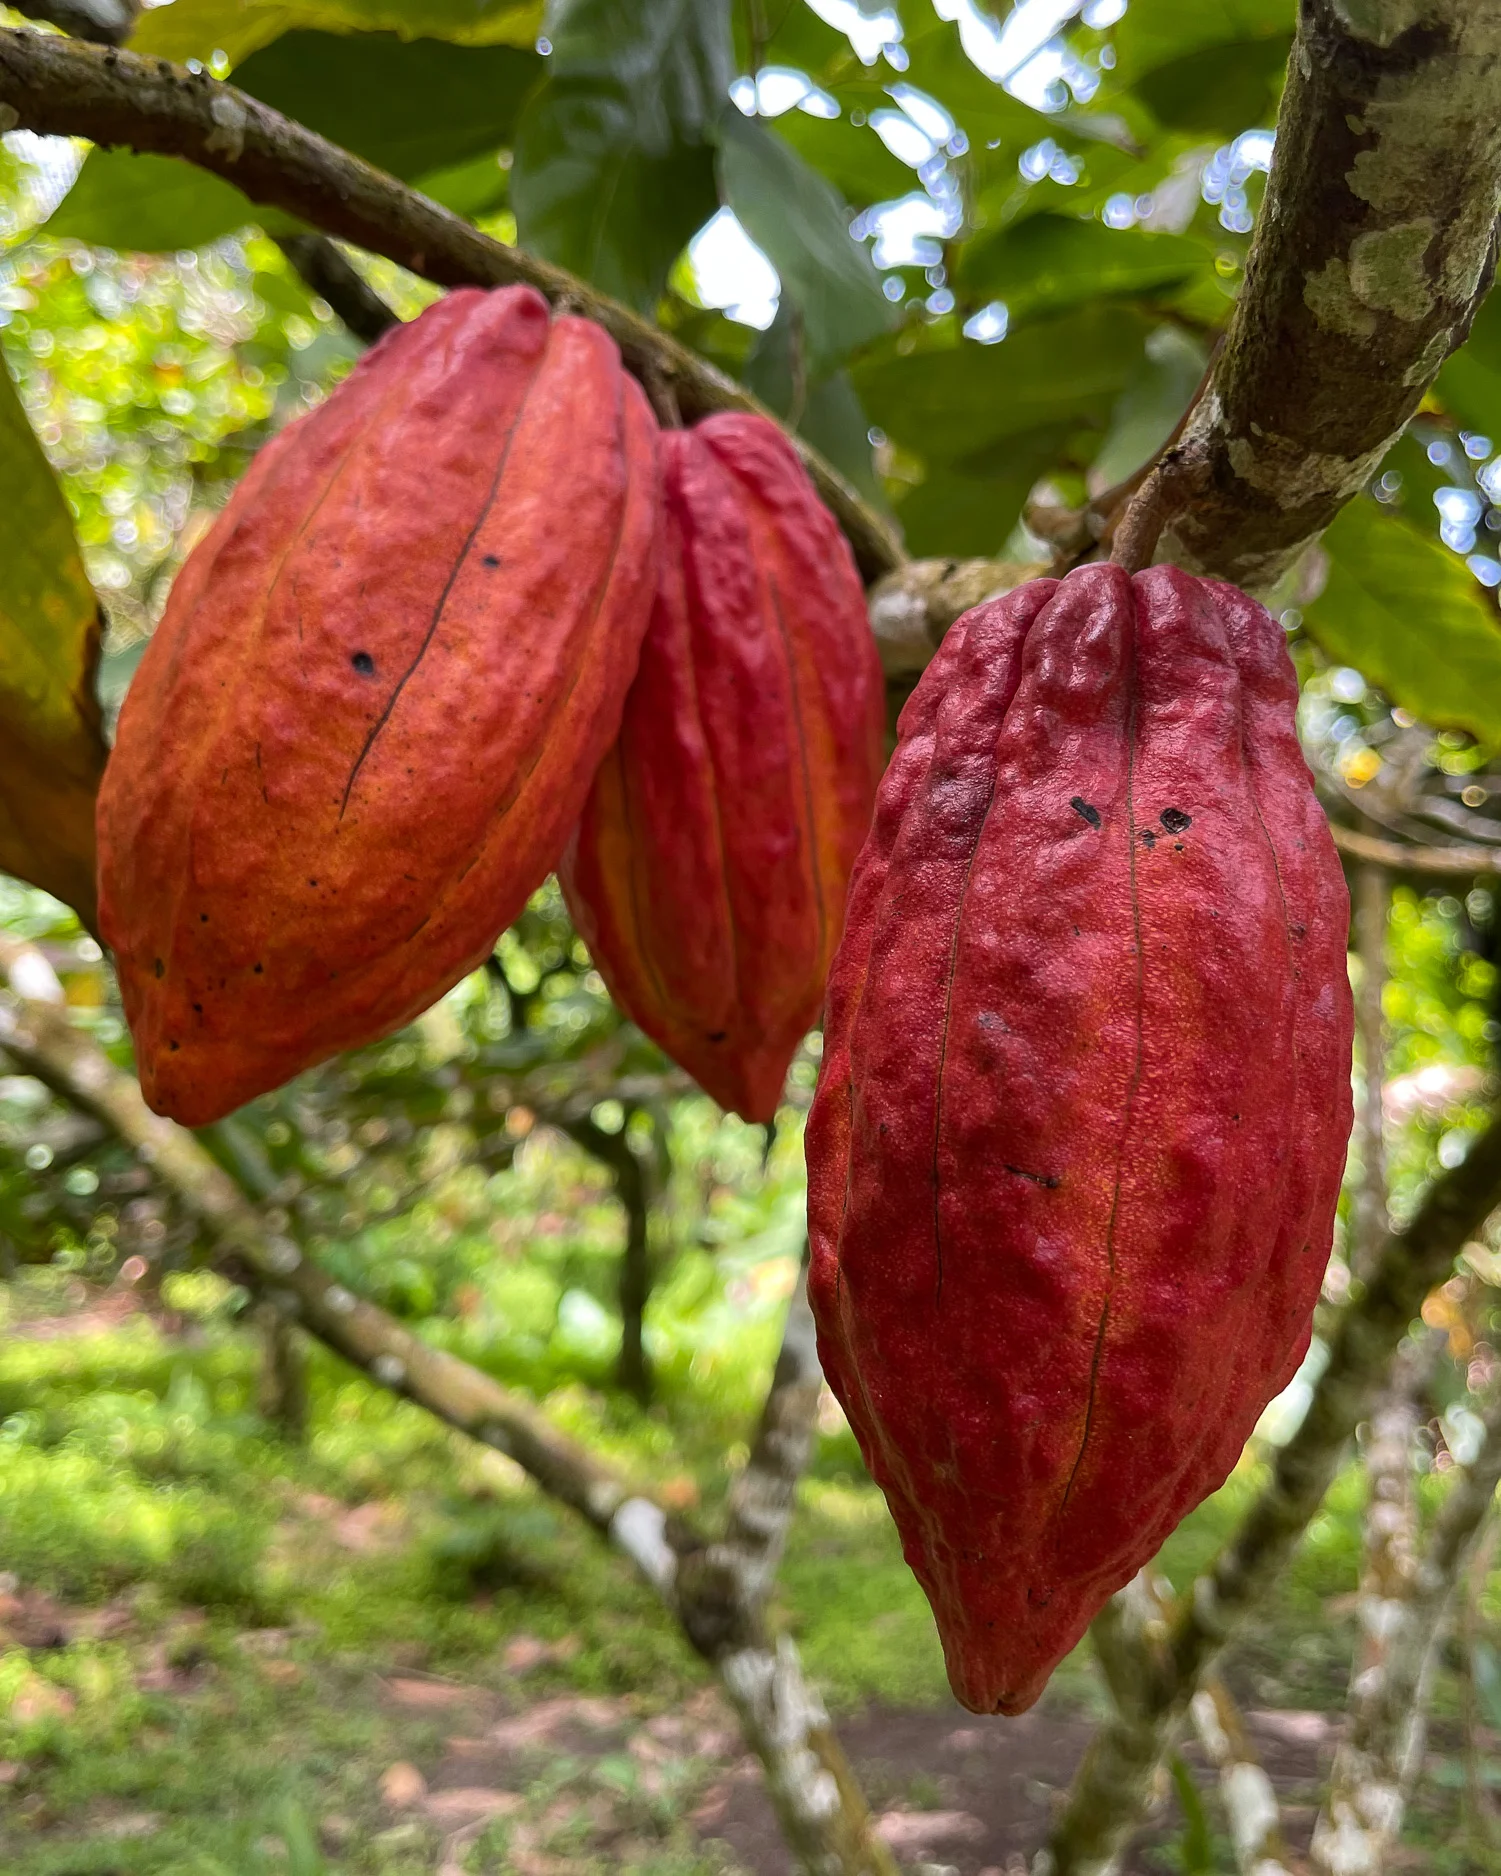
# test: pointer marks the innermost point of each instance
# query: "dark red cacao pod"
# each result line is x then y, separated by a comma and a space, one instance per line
370, 714
1081, 1123
708, 873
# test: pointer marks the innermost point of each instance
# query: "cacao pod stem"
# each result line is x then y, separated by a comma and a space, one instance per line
1166, 492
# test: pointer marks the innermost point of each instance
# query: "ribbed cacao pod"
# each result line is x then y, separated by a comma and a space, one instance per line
1081, 1123
709, 870
370, 714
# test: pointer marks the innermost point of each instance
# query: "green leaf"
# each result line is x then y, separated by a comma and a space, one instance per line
1470, 382
787, 32
408, 106
827, 414
1206, 65
153, 204
474, 188
1407, 613
51, 749
850, 157
613, 166
971, 507
1048, 262
1220, 89
1155, 35
950, 402
1149, 408
801, 224
196, 29
938, 64
1196, 1847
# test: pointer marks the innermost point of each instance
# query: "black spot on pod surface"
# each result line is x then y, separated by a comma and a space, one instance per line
363, 663
1175, 820
1148, 839
1082, 807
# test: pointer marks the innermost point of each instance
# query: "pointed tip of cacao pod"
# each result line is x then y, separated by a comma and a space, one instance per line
1002, 1640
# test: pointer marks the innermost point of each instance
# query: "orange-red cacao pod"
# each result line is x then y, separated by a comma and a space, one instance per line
709, 870
1081, 1122
370, 714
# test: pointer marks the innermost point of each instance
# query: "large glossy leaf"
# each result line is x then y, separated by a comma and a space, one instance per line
1048, 262
1405, 611
950, 403
1162, 31
51, 751
827, 413
787, 32
1470, 383
409, 106
1211, 66
802, 225
971, 508
196, 29
614, 165
1219, 89
850, 157
152, 203
1148, 410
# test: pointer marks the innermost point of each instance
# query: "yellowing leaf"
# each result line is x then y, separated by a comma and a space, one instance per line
51, 749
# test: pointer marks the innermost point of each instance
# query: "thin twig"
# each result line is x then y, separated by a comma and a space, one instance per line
328, 274
1407, 858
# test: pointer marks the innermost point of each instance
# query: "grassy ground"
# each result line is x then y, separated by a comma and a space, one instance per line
227, 1654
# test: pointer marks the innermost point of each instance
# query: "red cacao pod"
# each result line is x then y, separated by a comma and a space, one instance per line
369, 716
709, 870
1081, 1123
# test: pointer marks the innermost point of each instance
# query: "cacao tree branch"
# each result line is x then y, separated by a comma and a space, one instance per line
326, 272
1111, 1786
715, 1590
65, 88
1371, 901
633, 1183
1245, 1790
1373, 248
1412, 860
1372, 1768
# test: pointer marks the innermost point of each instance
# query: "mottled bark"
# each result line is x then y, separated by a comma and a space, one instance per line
1246, 1792
65, 88
1389, 1568
1111, 1787
281, 1385
1371, 902
1372, 250
1383, 1748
